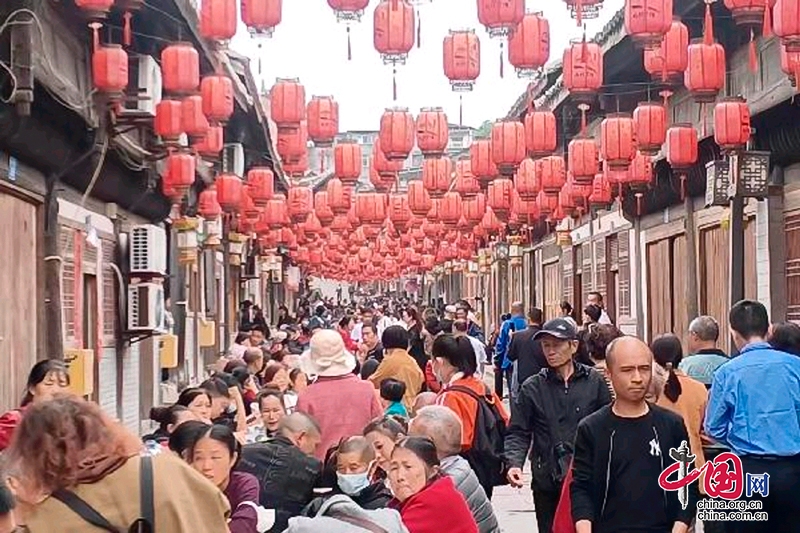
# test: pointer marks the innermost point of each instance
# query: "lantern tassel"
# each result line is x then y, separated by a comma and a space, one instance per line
683, 187
663, 66
766, 30
419, 29
259, 58
126, 30
95, 35
349, 46
502, 62
753, 59
460, 110
708, 30
638, 204
394, 84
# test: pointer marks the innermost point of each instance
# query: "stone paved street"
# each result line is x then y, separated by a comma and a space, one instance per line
514, 509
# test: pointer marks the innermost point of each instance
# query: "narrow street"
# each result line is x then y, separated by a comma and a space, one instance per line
514, 509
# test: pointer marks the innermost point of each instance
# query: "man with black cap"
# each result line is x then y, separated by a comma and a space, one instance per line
550, 405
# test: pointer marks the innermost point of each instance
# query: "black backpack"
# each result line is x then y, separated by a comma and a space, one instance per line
486, 456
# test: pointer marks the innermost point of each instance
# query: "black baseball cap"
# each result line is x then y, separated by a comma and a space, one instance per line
559, 328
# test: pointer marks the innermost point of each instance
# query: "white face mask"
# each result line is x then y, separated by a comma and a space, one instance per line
352, 484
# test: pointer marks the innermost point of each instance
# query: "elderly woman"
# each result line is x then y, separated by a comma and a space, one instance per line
68, 454
427, 500
443, 427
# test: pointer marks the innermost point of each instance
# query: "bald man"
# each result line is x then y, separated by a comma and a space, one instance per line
621, 450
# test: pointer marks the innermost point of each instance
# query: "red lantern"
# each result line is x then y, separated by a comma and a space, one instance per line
436, 176
682, 146
399, 211
640, 172
540, 133
348, 10
732, 123
499, 18
300, 203
217, 93
275, 214
322, 208
490, 223
394, 32
552, 174
397, 132
580, 192
582, 155
180, 68
790, 65
207, 205
526, 181
749, 12
229, 192
581, 10
474, 208
218, 19
168, 122
433, 131
262, 16
529, 45
482, 162
647, 21
650, 121
462, 59
705, 76
419, 201
466, 183
547, 204
347, 161
288, 103
296, 168
338, 197
194, 122
787, 24
566, 201
323, 120
260, 185
110, 70
211, 144
292, 143
383, 166
508, 145
95, 8
499, 196
600, 198
382, 183
583, 70
179, 172
617, 140
450, 209
668, 62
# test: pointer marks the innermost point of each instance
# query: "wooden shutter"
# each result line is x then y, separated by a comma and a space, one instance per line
601, 271
110, 282
714, 279
67, 283
658, 289
792, 226
611, 285
586, 271
552, 290
680, 315
624, 265
567, 273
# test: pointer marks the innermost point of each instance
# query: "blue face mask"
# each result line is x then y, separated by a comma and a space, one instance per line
352, 484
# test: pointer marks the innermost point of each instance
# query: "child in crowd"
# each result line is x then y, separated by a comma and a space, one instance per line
392, 392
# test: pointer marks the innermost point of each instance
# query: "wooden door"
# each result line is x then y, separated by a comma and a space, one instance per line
792, 226
680, 315
714, 277
552, 291
18, 285
750, 276
659, 306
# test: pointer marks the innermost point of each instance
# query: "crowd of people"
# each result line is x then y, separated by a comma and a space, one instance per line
379, 418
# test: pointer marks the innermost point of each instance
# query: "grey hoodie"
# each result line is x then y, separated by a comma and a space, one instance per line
457, 468
328, 519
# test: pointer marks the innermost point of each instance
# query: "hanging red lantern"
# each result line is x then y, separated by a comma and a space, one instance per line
580, 191
547, 204
490, 223
566, 202
179, 172
787, 24
433, 131
482, 162
180, 68
323, 120
248, 211
229, 192
499, 18
296, 168
168, 121
650, 121
399, 211
466, 184
508, 145
583, 158
601, 196
110, 71
347, 161
647, 21
462, 59
217, 93
526, 181
682, 146
218, 19
275, 214
581, 10
397, 132
552, 174
529, 45
640, 172
394, 34
499, 195
382, 183
705, 76
583, 70
262, 16
617, 140
386, 168
207, 205
288, 103
732, 123
96, 9
419, 201
751, 13
436, 175
300, 203
211, 144
338, 197
194, 123
474, 208
450, 209
790, 65
322, 208
541, 136
370, 208
260, 185
292, 143
668, 62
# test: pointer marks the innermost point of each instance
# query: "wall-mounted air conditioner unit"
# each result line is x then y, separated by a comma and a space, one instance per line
233, 159
148, 250
144, 92
146, 311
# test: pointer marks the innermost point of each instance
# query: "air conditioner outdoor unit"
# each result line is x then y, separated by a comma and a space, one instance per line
145, 87
233, 159
146, 311
148, 250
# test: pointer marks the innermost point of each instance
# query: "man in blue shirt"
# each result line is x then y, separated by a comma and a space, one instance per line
517, 322
754, 408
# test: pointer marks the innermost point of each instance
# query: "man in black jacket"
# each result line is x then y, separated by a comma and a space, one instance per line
525, 352
550, 405
621, 450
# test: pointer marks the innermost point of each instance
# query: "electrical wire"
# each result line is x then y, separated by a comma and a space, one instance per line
10, 99
98, 169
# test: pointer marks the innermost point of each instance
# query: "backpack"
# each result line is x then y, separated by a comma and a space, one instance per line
486, 456
145, 524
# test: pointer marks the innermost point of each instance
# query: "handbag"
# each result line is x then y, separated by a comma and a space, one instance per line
562, 521
144, 524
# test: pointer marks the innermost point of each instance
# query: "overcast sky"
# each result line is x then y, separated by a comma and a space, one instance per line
310, 45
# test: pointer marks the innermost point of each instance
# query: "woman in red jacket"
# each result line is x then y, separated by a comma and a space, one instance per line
421, 493
46, 379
